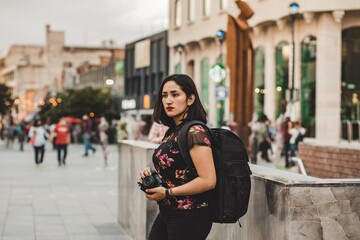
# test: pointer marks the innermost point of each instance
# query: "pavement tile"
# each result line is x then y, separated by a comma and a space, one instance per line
48, 202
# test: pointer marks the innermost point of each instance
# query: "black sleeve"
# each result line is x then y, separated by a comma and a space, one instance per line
198, 135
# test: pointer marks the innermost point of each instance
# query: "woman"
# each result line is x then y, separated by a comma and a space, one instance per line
103, 127
184, 210
38, 135
62, 140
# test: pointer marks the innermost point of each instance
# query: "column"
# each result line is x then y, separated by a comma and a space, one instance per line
328, 79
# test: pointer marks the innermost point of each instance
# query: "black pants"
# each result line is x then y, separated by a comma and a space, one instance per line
39, 154
61, 148
182, 224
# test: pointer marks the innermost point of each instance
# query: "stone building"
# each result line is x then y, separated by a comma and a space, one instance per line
325, 69
34, 71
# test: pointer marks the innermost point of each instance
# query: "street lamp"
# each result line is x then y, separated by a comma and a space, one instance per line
294, 12
220, 74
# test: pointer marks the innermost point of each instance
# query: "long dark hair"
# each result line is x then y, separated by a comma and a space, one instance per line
195, 111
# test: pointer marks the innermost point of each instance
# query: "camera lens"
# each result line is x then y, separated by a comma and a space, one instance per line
148, 181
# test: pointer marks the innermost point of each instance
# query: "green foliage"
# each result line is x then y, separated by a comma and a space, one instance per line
6, 102
76, 103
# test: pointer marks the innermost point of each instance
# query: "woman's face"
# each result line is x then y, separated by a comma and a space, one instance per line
174, 101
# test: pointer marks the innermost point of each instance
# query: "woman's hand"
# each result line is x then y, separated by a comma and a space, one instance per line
156, 194
144, 173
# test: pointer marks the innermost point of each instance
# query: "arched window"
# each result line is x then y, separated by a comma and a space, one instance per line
282, 52
350, 74
259, 81
308, 84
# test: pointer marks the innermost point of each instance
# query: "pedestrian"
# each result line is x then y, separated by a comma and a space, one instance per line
21, 135
38, 136
138, 127
86, 127
62, 132
297, 134
260, 140
103, 127
285, 131
184, 203
122, 133
157, 132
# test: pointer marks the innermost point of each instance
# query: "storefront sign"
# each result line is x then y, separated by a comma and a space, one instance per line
128, 104
217, 72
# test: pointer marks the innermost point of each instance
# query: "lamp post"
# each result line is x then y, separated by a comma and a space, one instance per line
294, 12
109, 83
221, 36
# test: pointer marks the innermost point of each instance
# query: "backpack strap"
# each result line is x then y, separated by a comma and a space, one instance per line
183, 143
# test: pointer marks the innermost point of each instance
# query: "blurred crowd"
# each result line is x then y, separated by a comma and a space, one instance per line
268, 141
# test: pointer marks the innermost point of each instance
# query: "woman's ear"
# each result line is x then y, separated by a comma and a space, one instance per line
191, 100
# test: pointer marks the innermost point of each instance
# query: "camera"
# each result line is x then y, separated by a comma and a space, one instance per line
151, 181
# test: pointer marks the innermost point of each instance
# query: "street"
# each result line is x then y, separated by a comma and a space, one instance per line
47, 202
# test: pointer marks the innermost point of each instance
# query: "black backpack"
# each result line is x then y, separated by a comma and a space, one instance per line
230, 199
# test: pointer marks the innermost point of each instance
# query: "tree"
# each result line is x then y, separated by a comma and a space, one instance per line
6, 102
76, 103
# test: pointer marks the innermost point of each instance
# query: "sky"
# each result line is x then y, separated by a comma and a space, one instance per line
85, 22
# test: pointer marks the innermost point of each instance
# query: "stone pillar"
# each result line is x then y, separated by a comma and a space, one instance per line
270, 76
328, 79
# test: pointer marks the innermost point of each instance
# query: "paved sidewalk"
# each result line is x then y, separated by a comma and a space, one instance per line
47, 202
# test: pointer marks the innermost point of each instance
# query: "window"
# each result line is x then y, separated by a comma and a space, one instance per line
206, 7
177, 13
177, 69
350, 74
191, 10
282, 76
259, 81
308, 84
223, 4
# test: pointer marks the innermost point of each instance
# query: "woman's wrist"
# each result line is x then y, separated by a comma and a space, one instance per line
167, 192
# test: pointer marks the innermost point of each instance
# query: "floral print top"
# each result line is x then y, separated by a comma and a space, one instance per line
171, 166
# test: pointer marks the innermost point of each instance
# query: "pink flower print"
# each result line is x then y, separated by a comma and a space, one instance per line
180, 174
207, 141
199, 128
158, 153
170, 184
185, 204
165, 160
174, 151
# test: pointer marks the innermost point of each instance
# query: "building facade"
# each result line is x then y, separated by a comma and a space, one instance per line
319, 85
34, 71
146, 65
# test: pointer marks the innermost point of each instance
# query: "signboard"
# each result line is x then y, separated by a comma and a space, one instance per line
221, 92
217, 72
128, 104
142, 54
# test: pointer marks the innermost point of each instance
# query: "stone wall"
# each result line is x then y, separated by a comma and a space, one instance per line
330, 161
283, 205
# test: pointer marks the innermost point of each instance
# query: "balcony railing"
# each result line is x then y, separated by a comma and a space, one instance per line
350, 130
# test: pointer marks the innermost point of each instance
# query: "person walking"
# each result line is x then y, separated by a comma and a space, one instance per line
103, 127
285, 131
38, 136
62, 132
183, 204
21, 135
157, 132
87, 135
